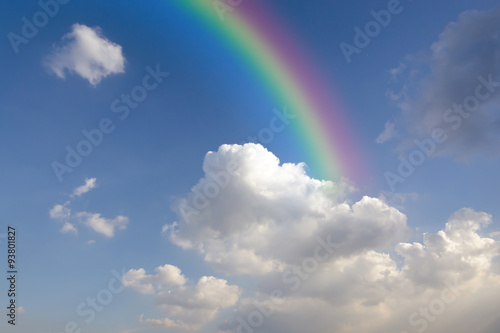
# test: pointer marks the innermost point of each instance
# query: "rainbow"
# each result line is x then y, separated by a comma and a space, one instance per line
321, 126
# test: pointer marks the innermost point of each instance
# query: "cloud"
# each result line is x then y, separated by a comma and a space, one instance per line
101, 224
387, 134
435, 288
319, 263
166, 275
456, 88
94, 221
396, 72
90, 183
188, 307
323, 263
88, 53
69, 228
60, 212
268, 216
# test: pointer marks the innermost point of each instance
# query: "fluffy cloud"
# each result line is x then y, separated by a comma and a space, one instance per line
145, 284
442, 89
90, 184
435, 287
323, 263
188, 307
101, 224
88, 53
266, 216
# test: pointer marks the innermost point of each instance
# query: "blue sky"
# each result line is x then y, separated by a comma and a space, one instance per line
136, 181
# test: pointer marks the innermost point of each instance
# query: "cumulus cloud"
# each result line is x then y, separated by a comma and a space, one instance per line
188, 307
165, 276
323, 263
88, 53
268, 215
101, 224
436, 287
90, 183
456, 88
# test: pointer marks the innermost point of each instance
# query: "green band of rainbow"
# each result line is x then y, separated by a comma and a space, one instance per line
320, 127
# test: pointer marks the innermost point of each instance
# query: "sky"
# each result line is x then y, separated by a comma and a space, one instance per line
250, 166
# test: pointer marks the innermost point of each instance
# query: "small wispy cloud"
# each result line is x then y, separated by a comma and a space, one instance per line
388, 133
94, 221
60, 212
90, 183
69, 228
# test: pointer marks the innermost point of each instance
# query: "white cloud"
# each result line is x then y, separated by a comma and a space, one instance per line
101, 224
188, 307
69, 228
447, 87
338, 266
88, 53
388, 133
268, 219
166, 275
444, 284
94, 221
60, 212
194, 306
269, 215
90, 183
458, 249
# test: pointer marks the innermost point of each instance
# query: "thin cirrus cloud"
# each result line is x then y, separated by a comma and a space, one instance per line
442, 89
372, 280
94, 221
88, 53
